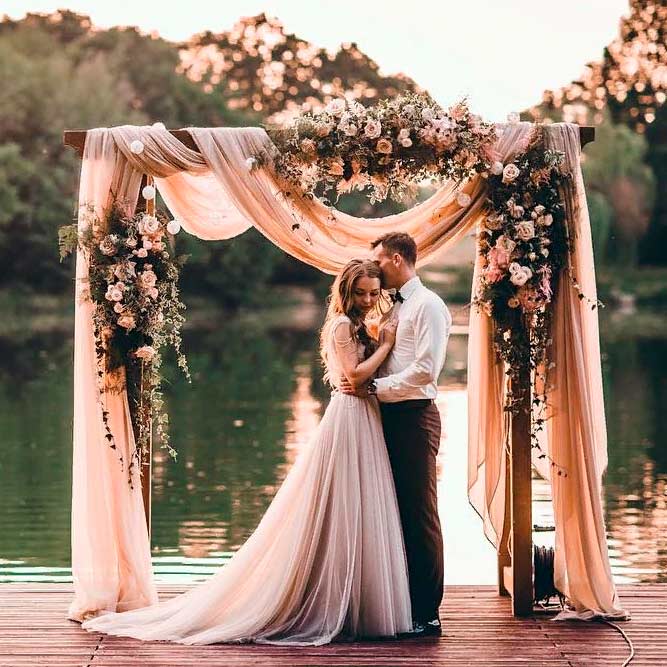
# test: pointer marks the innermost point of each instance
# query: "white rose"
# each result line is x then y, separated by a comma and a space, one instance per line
118, 307
336, 107
521, 276
525, 230
137, 147
173, 226
514, 267
404, 133
142, 252
148, 224
497, 168
545, 252
510, 172
463, 199
357, 108
114, 294
537, 211
406, 143
350, 130
373, 129
428, 114
147, 244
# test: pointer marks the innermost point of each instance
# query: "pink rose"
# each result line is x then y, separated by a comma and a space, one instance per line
147, 279
493, 274
384, 146
126, 321
505, 243
499, 257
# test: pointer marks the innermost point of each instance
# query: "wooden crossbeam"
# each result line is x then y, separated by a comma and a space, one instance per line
77, 138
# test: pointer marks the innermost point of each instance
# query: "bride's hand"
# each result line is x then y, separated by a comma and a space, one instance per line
388, 332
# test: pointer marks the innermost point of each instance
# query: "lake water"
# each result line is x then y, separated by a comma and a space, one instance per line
256, 397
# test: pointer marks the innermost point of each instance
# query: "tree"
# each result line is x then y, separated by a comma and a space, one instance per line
630, 81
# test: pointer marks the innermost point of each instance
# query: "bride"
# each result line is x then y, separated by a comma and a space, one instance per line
327, 559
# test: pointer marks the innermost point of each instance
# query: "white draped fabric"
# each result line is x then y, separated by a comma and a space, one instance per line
216, 196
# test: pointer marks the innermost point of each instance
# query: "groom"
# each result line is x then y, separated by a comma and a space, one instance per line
406, 389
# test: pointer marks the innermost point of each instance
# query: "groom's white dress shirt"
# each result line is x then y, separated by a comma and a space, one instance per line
411, 370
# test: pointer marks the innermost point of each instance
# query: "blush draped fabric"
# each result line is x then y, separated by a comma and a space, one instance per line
327, 558
216, 196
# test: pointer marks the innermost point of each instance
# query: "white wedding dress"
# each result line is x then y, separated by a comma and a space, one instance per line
327, 559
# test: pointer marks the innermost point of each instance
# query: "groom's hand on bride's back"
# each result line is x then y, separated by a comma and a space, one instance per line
347, 387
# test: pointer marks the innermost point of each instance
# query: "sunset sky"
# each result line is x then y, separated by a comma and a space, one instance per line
501, 54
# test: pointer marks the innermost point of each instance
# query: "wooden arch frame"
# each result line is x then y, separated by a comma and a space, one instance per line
515, 570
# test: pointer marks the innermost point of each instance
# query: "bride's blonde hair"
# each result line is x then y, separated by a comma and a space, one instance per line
341, 302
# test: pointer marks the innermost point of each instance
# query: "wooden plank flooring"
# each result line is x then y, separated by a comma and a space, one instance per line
479, 630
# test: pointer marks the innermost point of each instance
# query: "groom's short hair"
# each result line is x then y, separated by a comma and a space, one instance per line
399, 242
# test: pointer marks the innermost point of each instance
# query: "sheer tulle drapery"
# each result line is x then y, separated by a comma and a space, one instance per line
327, 559
215, 196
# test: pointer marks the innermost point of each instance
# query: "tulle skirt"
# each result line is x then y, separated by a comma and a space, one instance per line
326, 561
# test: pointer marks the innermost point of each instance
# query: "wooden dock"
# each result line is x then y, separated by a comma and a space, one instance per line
479, 629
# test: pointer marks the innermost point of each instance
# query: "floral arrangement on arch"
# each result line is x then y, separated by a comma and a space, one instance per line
133, 284
524, 245
389, 148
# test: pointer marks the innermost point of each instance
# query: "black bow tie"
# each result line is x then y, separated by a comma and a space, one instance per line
397, 296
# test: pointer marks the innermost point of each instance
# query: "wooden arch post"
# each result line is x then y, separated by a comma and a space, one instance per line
515, 555
515, 569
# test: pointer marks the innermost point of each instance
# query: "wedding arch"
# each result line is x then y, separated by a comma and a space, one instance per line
534, 376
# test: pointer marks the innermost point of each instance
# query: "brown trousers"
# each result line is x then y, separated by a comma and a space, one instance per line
412, 433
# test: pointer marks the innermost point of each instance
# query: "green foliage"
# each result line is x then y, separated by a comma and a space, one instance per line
57, 72
621, 189
601, 215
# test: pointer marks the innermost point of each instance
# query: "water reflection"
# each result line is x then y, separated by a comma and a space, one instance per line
256, 398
